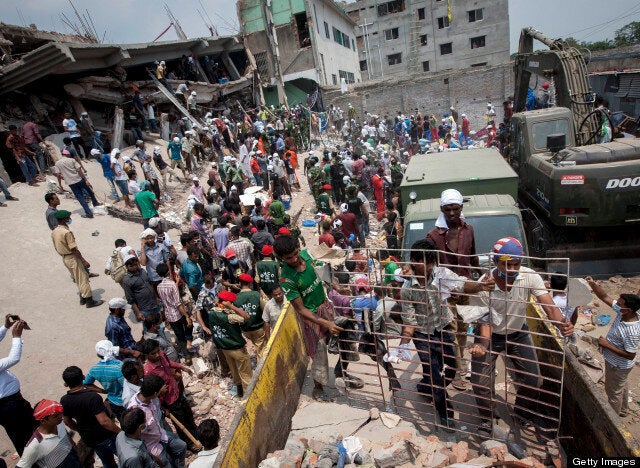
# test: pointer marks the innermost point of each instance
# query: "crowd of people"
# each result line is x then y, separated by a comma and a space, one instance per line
238, 264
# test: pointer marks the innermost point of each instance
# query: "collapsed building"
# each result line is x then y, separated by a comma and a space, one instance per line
44, 74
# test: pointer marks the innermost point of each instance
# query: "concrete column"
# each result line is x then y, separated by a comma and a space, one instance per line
165, 130
118, 128
233, 71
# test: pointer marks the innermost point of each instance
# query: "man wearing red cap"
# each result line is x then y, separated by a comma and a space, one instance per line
267, 271
50, 445
249, 301
233, 268
224, 322
242, 247
506, 328
544, 97
323, 202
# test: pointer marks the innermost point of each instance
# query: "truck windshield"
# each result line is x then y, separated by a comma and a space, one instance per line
487, 229
543, 129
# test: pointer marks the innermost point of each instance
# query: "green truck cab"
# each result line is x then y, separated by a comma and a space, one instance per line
486, 181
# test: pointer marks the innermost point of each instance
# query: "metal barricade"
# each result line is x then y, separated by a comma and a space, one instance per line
437, 382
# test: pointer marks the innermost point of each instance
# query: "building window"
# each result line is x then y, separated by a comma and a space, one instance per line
363, 65
261, 64
443, 22
475, 15
421, 14
353, 45
349, 77
337, 36
446, 49
423, 40
389, 8
391, 34
394, 59
477, 42
326, 30
425, 66
335, 79
481, 64
346, 41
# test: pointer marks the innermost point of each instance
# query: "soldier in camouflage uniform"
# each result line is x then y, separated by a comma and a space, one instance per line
316, 176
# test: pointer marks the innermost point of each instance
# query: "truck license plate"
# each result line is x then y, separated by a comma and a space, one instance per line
571, 220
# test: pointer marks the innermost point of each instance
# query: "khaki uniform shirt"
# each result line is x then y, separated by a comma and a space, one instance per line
63, 240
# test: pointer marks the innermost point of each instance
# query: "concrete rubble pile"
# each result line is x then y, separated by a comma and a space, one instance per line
384, 440
406, 449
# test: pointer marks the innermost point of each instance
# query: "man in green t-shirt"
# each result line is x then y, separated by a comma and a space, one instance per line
224, 322
267, 271
305, 291
146, 202
249, 301
323, 201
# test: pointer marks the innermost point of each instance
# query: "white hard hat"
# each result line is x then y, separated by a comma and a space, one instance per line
115, 152
95, 152
176, 140
337, 223
193, 93
344, 207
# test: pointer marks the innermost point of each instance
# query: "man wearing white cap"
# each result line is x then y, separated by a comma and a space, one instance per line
152, 254
235, 176
197, 190
108, 372
455, 240
174, 151
117, 330
464, 138
192, 103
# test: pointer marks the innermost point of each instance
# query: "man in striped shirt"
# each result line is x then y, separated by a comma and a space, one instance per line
620, 346
175, 311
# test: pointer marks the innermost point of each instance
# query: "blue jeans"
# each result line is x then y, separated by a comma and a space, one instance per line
175, 451
112, 183
4, 188
137, 133
123, 186
105, 451
28, 168
35, 147
434, 351
258, 178
464, 139
79, 189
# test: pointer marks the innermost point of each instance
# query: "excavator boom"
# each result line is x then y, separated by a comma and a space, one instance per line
565, 66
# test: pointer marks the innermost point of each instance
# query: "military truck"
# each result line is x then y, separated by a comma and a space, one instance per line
485, 180
585, 194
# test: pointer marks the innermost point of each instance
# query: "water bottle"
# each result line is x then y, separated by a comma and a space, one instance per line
359, 317
470, 329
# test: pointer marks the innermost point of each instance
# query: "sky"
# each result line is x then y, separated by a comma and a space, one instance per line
131, 21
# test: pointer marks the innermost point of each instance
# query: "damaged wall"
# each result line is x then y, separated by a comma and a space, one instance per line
467, 91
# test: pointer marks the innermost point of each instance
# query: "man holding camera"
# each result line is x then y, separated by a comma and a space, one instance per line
16, 414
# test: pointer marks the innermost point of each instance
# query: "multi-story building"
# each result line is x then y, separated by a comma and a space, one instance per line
299, 45
401, 37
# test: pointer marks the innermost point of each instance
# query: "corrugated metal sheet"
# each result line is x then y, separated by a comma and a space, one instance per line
629, 86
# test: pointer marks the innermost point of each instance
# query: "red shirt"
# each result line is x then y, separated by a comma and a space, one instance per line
255, 167
349, 223
465, 125
326, 238
466, 246
163, 368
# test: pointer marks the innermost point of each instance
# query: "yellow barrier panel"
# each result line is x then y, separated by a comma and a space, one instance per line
588, 421
263, 421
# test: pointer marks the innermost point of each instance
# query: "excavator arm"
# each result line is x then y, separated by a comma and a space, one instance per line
565, 66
